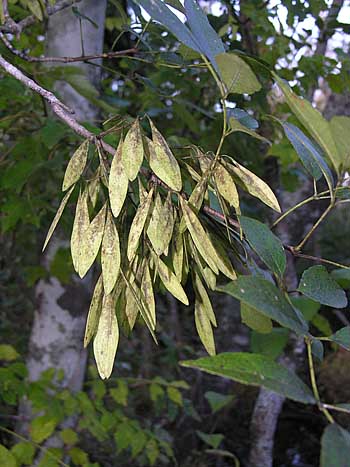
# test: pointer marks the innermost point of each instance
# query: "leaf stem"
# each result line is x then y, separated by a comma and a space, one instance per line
334, 407
314, 383
314, 227
22, 438
224, 108
314, 197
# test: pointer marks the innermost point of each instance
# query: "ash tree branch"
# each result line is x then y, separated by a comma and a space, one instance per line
64, 113
16, 28
82, 58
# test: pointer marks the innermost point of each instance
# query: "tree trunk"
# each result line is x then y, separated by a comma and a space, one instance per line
56, 340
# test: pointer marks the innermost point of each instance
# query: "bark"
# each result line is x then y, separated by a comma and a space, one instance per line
268, 404
56, 340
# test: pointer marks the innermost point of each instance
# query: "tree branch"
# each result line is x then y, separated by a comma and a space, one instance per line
29, 83
82, 58
16, 28
66, 114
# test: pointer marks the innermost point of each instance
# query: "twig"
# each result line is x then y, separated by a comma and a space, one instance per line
314, 227
65, 114
317, 259
26, 440
16, 28
314, 383
29, 83
82, 58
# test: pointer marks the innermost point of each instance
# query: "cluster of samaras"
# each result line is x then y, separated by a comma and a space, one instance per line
166, 241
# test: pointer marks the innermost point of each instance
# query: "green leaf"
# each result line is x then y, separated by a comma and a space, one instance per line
308, 307
110, 255
271, 345
266, 298
76, 166
217, 401
312, 120
171, 282
203, 299
255, 320
91, 241
6, 457
57, 216
174, 395
118, 182
254, 185
36, 8
42, 428
208, 40
244, 118
80, 226
199, 236
335, 447
94, 312
162, 161
69, 436
255, 370
156, 392
212, 440
309, 155
342, 277
161, 224
342, 337
340, 128
107, 337
132, 151
236, 74
24, 453
266, 245
236, 125
152, 451
318, 285
138, 224
79, 457
8, 353
124, 435
161, 13
148, 295
317, 349
226, 186
120, 393
204, 328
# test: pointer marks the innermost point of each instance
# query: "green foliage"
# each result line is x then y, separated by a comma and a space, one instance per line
335, 446
6, 457
255, 370
106, 416
318, 285
265, 297
164, 212
267, 246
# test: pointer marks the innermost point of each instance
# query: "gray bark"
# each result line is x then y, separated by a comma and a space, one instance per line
56, 340
64, 40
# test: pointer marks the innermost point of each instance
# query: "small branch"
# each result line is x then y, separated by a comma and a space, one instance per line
314, 383
38, 446
16, 28
314, 227
66, 114
299, 205
317, 259
334, 407
82, 58
29, 83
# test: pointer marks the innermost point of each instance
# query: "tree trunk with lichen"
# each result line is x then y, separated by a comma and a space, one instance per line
56, 339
